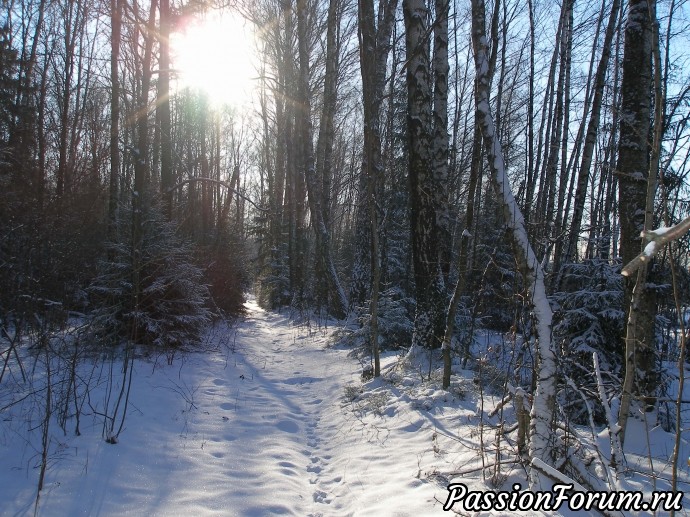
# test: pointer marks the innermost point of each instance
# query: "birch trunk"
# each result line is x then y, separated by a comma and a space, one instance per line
429, 316
541, 445
440, 135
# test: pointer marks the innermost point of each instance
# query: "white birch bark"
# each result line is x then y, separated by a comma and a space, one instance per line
430, 311
543, 406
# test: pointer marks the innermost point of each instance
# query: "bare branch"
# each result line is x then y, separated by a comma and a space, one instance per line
217, 182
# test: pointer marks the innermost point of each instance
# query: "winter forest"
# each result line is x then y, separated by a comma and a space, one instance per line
375, 255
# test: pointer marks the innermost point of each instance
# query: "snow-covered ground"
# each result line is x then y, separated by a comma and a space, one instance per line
276, 421
265, 430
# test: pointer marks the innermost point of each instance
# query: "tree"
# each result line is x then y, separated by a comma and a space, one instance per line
440, 136
373, 53
541, 446
591, 137
430, 298
637, 187
329, 276
164, 107
113, 198
374, 48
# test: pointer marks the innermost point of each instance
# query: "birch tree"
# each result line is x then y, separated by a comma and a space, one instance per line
542, 444
440, 134
430, 310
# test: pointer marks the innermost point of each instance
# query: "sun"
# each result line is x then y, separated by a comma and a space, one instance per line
215, 53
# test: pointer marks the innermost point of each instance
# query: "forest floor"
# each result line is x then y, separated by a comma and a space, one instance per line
274, 421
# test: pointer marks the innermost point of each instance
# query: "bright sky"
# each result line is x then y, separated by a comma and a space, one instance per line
216, 53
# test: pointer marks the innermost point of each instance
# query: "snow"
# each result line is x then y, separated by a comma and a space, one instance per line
266, 430
661, 230
650, 249
276, 420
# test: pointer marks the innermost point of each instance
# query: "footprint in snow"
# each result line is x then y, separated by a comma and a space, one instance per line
321, 497
288, 426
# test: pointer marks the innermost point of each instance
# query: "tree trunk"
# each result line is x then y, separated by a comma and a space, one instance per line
591, 138
164, 108
430, 311
324, 146
374, 47
543, 406
531, 176
637, 187
71, 19
338, 301
467, 238
566, 57
440, 136
141, 168
116, 25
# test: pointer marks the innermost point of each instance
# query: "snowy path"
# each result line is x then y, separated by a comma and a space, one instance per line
278, 418
264, 430
295, 449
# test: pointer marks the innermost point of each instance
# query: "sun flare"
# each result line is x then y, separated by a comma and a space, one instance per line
215, 54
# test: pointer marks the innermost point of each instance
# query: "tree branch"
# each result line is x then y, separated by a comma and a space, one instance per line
656, 240
218, 182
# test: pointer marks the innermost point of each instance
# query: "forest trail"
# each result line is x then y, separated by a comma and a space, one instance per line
296, 443
271, 421
279, 396
283, 438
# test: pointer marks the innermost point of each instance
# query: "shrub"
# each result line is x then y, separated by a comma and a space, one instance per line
172, 307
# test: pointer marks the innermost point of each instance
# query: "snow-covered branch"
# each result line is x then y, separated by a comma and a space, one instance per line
544, 402
656, 240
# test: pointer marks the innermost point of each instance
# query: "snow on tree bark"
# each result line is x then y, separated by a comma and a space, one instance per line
633, 170
541, 445
430, 311
440, 135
